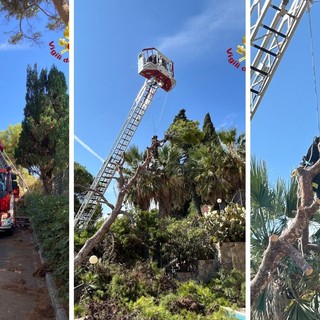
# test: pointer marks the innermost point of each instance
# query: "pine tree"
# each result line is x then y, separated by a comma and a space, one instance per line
43, 144
26, 13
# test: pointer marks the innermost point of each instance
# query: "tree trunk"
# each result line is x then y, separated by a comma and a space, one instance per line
283, 246
47, 182
99, 235
196, 199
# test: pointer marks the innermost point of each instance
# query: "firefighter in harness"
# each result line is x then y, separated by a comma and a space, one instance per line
156, 144
312, 156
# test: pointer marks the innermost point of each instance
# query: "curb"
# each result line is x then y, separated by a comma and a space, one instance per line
52, 289
53, 293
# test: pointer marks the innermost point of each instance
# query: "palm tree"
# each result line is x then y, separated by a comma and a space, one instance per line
206, 167
142, 192
234, 160
221, 166
172, 192
161, 184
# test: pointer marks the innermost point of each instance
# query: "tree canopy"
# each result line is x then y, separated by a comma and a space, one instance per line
45, 129
10, 138
25, 12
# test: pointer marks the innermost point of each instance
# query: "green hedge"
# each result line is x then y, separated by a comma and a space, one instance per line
50, 219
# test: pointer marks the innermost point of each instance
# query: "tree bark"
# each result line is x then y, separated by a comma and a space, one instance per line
62, 7
283, 245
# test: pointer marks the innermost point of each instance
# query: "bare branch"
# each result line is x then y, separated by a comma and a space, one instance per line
103, 199
299, 260
27, 12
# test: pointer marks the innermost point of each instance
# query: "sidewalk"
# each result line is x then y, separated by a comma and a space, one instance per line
22, 295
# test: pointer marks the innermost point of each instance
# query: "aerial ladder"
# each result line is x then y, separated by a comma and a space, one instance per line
10, 163
3, 162
269, 39
159, 73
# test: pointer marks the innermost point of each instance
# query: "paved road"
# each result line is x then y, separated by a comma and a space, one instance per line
22, 295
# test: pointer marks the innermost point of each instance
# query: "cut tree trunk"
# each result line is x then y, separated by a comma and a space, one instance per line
283, 245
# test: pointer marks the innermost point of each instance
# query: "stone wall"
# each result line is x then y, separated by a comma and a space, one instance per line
207, 269
232, 255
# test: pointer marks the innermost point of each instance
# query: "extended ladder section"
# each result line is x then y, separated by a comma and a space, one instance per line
8, 160
3, 162
109, 167
269, 38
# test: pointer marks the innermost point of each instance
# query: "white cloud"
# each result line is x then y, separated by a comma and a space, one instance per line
202, 31
230, 121
12, 47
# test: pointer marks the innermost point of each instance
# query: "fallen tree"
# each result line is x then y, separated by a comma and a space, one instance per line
124, 187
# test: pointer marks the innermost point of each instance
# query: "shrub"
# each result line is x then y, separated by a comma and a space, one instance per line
227, 224
143, 280
230, 286
109, 309
50, 219
149, 309
196, 291
187, 241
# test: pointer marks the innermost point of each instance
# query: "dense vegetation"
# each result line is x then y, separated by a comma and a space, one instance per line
43, 140
137, 265
145, 249
50, 220
37, 150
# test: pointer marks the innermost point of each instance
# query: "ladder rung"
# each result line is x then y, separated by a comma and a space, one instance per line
279, 9
265, 50
260, 71
274, 31
255, 91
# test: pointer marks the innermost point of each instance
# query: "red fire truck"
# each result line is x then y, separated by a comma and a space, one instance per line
9, 192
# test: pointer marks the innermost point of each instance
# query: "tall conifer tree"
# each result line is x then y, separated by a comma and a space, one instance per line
210, 134
43, 145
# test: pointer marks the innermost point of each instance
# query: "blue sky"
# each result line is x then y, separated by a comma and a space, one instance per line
286, 121
194, 34
14, 61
